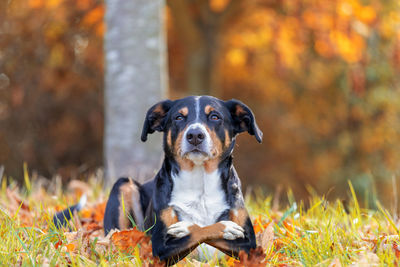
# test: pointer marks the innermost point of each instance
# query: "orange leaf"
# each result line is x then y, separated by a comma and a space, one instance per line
127, 240
59, 243
70, 247
99, 212
256, 258
93, 227
396, 249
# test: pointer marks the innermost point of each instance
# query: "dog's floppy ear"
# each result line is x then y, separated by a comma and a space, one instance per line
155, 118
243, 119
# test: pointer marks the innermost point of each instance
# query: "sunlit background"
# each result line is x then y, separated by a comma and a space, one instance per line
322, 78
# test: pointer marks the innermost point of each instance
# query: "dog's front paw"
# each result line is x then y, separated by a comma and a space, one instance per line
232, 230
179, 229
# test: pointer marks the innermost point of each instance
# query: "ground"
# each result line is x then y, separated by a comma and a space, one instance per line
325, 234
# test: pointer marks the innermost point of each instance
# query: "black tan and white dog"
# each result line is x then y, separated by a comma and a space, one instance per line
196, 196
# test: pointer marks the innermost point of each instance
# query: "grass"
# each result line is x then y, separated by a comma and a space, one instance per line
325, 234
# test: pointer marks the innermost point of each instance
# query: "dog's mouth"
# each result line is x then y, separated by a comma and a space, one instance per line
197, 151
196, 155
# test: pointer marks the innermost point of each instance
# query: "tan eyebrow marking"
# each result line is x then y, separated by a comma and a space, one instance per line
208, 109
184, 111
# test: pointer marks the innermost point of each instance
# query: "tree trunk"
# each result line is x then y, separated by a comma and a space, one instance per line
200, 35
202, 70
135, 80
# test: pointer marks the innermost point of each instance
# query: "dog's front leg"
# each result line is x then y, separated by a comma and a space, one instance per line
231, 245
173, 239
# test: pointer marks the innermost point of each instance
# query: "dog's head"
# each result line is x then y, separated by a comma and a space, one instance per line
200, 129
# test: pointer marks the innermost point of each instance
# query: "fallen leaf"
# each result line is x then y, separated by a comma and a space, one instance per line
267, 237
59, 243
70, 247
255, 258
127, 240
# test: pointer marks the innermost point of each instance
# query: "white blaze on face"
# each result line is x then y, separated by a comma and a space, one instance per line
197, 108
205, 147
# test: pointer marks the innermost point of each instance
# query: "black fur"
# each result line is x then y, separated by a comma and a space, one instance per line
61, 218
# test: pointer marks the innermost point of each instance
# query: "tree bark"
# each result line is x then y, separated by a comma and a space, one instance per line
135, 80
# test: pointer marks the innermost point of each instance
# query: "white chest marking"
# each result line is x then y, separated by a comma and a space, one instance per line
198, 197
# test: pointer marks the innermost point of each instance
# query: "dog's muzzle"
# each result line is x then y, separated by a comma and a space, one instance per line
197, 142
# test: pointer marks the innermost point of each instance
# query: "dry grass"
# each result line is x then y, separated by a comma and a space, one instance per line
326, 234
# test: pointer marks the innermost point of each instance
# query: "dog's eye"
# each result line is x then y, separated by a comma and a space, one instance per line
179, 118
214, 117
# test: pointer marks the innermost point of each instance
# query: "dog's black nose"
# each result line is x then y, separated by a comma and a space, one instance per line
195, 136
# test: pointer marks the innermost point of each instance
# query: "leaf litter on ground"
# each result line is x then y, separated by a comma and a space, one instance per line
326, 234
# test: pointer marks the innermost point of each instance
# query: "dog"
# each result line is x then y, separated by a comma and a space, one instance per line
196, 196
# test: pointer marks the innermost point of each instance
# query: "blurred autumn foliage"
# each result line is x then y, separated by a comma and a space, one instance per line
322, 78
51, 112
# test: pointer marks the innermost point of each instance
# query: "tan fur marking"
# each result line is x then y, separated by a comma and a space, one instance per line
129, 191
169, 139
201, 234
168, 216
227, 139
208, 109
239, 216
239, 110
216, 151
183, 163
211, 165
178, 143
212, 235
184, 111
217, 145
159, 109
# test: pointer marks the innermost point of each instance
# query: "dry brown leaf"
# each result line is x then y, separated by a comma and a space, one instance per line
256, 258
267, 237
